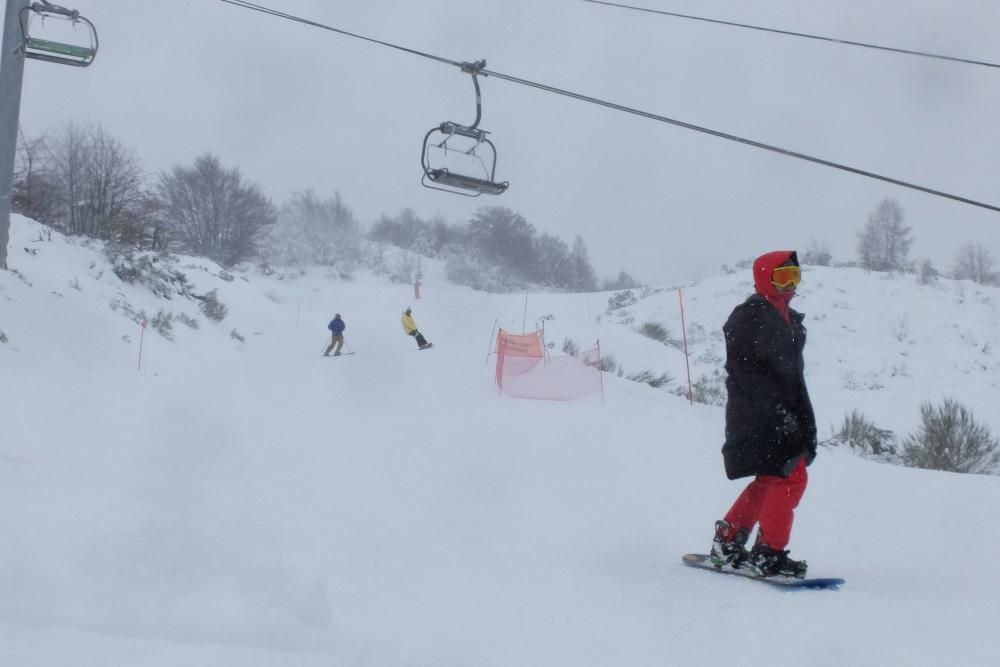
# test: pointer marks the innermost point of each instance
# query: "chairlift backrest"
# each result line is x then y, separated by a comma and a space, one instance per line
34, 19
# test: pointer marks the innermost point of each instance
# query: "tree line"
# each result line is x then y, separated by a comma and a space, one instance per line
884, 242
82, 181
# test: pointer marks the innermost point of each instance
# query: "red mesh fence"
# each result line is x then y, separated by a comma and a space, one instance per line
523, 371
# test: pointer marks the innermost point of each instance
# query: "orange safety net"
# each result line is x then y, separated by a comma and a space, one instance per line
523, 371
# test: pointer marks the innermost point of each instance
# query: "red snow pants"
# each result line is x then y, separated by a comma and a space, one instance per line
770, 501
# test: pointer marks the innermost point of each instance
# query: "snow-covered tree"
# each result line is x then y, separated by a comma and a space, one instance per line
311, 230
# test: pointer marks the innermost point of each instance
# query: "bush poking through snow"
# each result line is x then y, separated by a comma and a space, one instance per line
656, 331
950, 439
708, 389
212, 308
621, 300
652, 379
191, 322
860, 434
609, 364
163, 324
570, 347
156, 272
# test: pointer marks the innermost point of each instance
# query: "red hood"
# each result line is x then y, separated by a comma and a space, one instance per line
763, 267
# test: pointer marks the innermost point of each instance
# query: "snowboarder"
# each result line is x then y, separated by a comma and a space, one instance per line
410, 327
770, 424
336, 327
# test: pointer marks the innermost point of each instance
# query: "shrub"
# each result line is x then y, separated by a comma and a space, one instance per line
652, 379
950, 439
570, 347
656, 331
212, 308
708, 389
609, 364
188, 320
163, 324
926, 273
859, 433
156, 272
620, 300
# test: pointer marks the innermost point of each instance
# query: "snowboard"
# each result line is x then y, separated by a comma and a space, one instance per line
342, 354
701, 561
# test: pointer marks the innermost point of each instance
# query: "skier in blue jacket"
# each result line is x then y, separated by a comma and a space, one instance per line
336, 327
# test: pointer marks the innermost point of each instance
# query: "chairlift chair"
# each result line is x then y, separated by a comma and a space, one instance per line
61, 52
464, 140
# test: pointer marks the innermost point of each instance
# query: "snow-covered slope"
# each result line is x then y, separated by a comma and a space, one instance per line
252, 503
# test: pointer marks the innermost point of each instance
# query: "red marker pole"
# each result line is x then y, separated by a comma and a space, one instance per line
680, 300
142, 330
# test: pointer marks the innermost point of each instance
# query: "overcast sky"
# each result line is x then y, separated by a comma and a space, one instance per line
296, 107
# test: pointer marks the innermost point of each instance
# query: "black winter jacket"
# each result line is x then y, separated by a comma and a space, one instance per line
770, 423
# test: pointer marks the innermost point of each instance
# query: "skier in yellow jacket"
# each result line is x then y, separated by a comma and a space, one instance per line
410, 327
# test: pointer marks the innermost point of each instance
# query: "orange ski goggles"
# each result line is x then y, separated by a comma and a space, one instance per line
784, 276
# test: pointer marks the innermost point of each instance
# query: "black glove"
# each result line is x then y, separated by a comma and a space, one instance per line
787, 422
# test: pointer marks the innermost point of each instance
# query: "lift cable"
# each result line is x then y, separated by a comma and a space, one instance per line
314, 24
848, 42
634, 111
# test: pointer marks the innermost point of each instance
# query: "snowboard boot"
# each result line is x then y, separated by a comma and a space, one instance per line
768, 562
337, 353
729, 546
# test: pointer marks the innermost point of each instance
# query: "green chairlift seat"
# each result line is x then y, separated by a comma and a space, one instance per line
50, 50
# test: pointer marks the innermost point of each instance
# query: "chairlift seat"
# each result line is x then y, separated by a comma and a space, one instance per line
41, 47
438, 177
37, 48
480, 186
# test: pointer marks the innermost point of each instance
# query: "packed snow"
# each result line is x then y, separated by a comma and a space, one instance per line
235, 498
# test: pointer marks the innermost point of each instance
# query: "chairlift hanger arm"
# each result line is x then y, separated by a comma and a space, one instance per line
475, 69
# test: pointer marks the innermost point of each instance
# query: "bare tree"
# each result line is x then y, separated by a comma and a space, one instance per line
584, 278
113, 180
33, 192
209, 211
67, 158
974, 262
98, 182
818, 253
884, 243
